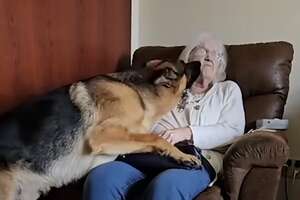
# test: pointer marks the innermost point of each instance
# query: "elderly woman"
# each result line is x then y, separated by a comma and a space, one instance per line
210, 114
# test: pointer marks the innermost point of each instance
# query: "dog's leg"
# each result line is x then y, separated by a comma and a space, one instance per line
116, 140
7, 186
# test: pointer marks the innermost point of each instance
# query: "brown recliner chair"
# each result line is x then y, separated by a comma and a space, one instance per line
252, 165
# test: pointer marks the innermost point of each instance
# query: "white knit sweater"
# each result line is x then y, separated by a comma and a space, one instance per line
216, 119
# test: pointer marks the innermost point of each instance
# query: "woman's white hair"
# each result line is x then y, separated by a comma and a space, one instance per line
221, 68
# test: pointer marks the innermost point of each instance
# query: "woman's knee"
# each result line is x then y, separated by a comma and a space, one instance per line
177, 184
110, 179
166, 181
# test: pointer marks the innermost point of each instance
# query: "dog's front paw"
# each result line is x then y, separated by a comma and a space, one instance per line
182, 158
190, 160
166, 149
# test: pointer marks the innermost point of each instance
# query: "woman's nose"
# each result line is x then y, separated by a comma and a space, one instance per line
207, 57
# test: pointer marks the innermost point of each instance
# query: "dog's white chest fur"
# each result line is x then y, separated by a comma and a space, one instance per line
76, 164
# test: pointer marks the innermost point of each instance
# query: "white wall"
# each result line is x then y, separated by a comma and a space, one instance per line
177, 22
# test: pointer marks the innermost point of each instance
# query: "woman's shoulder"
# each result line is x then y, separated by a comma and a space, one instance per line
228, 86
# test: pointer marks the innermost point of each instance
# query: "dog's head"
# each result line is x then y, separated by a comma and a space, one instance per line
163, 73
160, 83
167, 82
177, 75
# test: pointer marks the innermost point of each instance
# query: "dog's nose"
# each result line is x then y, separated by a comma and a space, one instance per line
192, 71
180, 68
192, 68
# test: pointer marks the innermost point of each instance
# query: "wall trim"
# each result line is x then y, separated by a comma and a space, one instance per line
134, 25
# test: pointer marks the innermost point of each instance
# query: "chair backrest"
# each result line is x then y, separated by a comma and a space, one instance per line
261, 70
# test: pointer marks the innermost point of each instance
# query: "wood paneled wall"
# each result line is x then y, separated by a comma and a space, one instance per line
45, 44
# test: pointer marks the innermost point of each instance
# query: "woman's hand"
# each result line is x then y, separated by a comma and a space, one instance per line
176, 135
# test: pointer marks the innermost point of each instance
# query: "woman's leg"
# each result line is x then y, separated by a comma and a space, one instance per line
110, 181
177, 184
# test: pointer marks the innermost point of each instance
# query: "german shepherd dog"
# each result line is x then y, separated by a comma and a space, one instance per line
59, 137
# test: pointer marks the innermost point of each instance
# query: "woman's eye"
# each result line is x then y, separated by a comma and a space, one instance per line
202, 51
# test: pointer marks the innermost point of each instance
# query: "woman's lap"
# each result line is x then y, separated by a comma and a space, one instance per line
113, 180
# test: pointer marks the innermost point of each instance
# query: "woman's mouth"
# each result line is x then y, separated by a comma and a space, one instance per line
207, 63
199, 83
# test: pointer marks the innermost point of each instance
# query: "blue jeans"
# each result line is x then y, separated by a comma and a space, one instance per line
113, 181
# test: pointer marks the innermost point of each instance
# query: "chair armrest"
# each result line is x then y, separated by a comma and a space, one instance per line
261, 148
256, 150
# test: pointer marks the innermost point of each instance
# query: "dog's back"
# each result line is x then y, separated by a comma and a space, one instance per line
39, 131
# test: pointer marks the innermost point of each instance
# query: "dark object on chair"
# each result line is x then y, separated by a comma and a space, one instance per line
252, 165
152, 164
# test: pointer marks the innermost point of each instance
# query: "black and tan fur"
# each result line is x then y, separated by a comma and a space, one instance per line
58, 138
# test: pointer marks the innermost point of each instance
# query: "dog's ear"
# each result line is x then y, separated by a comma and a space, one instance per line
154, 63
192, 71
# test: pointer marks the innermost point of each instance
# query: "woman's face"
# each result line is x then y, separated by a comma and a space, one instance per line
208, 54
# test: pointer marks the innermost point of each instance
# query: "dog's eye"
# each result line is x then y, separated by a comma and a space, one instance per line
171, 74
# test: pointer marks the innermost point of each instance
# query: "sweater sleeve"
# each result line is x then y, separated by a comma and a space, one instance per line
229, 126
